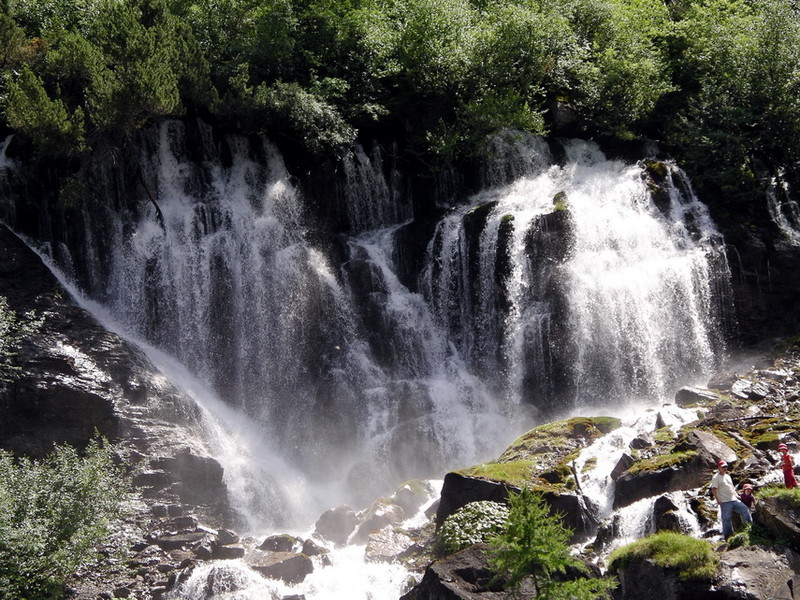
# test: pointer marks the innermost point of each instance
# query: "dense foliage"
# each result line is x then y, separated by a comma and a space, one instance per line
714, 81
53, 513
535, 547
692, 559
474, 523
14, 329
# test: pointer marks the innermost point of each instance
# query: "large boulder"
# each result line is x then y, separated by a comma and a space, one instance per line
288, 566
754, 572
781, 519
382, 513
703, 449
337, 525
459, 490
461, 576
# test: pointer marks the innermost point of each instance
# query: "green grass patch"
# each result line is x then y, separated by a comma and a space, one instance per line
662, 461
693, 559
790, 497
519, 472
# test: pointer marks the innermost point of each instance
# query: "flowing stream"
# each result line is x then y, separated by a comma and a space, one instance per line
565, 285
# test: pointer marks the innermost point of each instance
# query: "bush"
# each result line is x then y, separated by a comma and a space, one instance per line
13, 329
472, 524
693, 559
53, 513
535, 547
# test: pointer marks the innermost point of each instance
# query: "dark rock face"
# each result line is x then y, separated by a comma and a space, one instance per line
781, 519
461, 576
288, 566
458, 491
337, 524
76, 378
636, 486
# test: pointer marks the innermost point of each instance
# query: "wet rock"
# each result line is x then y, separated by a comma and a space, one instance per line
623, 464
382, 513
228, 552
280, 543
688, 396
387, 545
412, 495
337, 525
180, 540
665, 516
287, 566
631, 487
226, 536
640, 442
458, 491
642, 579
311, 548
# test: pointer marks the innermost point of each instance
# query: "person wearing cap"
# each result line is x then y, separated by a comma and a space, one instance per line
729, 503
788, 466
747, 497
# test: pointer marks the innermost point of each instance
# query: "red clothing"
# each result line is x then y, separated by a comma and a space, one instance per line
788, 471
747, 499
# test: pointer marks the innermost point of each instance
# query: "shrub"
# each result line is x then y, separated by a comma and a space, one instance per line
13, 329
53, 513
472, 524
693, 559
535, 546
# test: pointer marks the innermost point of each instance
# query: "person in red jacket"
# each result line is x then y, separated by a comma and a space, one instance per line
788, 466
747, 497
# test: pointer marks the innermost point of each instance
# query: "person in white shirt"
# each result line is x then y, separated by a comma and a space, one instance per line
728, 500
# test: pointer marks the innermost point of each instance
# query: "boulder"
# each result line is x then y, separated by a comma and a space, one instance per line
459, 490
665, 516
642, 579
461, 576
687, 396
280, 543
228, 551
226, 536
755, 572
287, 566
180, 540
382, 513
387, 545
336, 525
708, 446
412, 495
688, 475
780, 518
623, 464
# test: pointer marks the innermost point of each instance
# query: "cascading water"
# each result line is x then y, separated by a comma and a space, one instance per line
783, 208
570, 282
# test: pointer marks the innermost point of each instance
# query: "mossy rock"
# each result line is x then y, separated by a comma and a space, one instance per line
552, 437
661, 461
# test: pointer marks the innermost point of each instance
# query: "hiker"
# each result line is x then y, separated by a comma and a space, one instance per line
788, 466
725, 495
747, 497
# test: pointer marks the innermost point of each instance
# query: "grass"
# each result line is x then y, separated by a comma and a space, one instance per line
790, 497
693, 559
517, 472
662, 461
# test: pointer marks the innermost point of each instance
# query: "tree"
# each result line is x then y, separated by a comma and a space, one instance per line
535, 547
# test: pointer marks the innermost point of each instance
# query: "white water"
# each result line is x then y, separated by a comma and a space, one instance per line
632, 304
783, 209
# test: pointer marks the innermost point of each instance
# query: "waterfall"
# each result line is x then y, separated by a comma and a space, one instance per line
570, 283
783, 208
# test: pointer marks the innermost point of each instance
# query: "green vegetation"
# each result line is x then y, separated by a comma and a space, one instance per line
715, 81
789, 496
534, 546
693, 559
474, 523
13, 330
517, 472
53, 513
662, 461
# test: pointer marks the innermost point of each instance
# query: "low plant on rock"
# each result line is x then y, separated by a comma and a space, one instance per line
474, 523
534, 547
53, 513
693, 559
